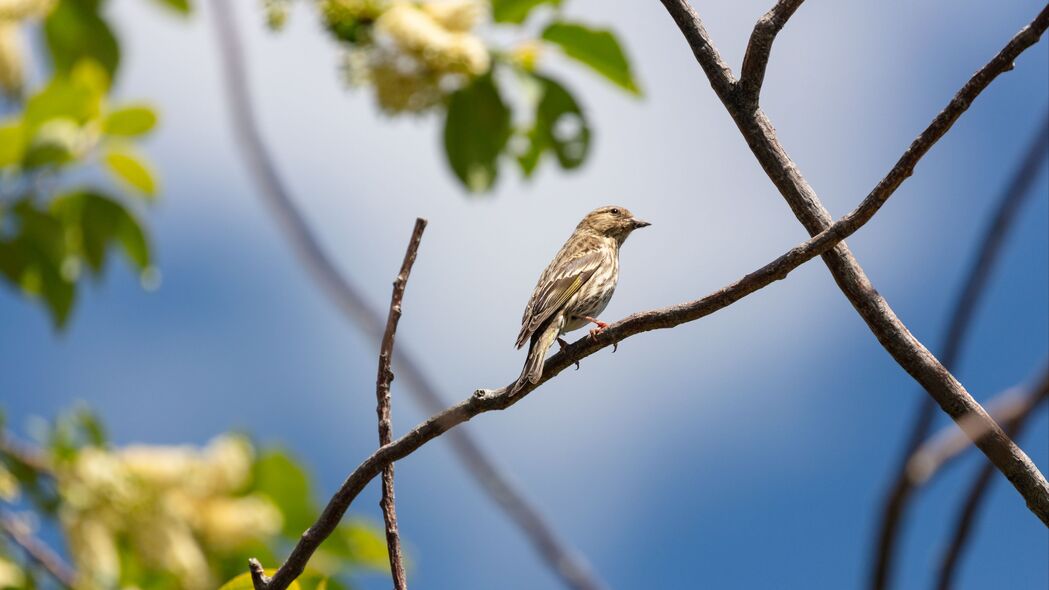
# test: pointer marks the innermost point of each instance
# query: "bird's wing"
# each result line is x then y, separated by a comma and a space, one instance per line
562, 280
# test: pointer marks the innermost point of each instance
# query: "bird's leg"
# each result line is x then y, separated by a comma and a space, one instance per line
561, 342
600, 325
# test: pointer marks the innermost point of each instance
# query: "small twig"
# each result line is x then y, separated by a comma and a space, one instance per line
1016, 192
36, 550
382, 394
978, 491
756, 59
882, 321
565, 562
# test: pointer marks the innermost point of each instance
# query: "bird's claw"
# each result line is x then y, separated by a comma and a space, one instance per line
561, 342
615, 346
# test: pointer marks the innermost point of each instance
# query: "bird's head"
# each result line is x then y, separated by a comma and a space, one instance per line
611, 222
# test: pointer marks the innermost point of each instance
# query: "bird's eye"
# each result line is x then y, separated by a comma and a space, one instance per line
615, 211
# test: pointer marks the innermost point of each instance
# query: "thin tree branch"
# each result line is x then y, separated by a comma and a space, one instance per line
500, 399
37, 552
893, 335
23, 453
564, 561
942, 448
382, 394
976, 278
970, 508
756, 59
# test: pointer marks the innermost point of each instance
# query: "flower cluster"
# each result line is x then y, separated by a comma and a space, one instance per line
12, 46
174, 506
414, 54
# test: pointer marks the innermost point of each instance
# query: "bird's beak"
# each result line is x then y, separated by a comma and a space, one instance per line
639, 224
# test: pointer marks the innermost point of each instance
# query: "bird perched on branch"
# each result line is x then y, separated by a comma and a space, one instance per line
575, 287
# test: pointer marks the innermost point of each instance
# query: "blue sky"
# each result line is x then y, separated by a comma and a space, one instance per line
750, 449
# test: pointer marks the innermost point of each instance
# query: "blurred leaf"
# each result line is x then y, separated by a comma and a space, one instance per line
130, 121
32, 259
279, 477
596, 48
361, 544
182, 7
75, 30
560, 126
12, 142
243, 582
95, 222
129, 167
476, 129
64, 97
55, 142
74, 430
94, 433
516, 11
343, 21
561, 121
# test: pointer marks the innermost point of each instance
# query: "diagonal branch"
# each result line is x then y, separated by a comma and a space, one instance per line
559, 557
382, 394
37, 551
1013, 197
951, 442
500, 399
893, 335
756, 59
25, 454
978, 491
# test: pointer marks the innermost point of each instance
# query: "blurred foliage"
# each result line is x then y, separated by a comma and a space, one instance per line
55, 228
429, 56
168, 517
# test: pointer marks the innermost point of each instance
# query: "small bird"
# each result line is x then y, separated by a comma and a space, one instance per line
575, 287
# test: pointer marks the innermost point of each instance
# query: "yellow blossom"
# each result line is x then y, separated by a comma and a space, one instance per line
456, 15
12, 58
9, 488
417, 33
11, 576
14, 10
229, 522
175, 505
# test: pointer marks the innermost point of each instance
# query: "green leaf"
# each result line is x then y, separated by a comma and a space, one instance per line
243, 582
596, 48
560, 126
516, 11
182, 7
56, 142
283, 481
360, 543
74, 30
129, 167
12, 142
64, 97
476, 130
130, 121
95, 222
32, 259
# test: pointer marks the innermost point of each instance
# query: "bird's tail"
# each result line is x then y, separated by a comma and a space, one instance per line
540, 343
